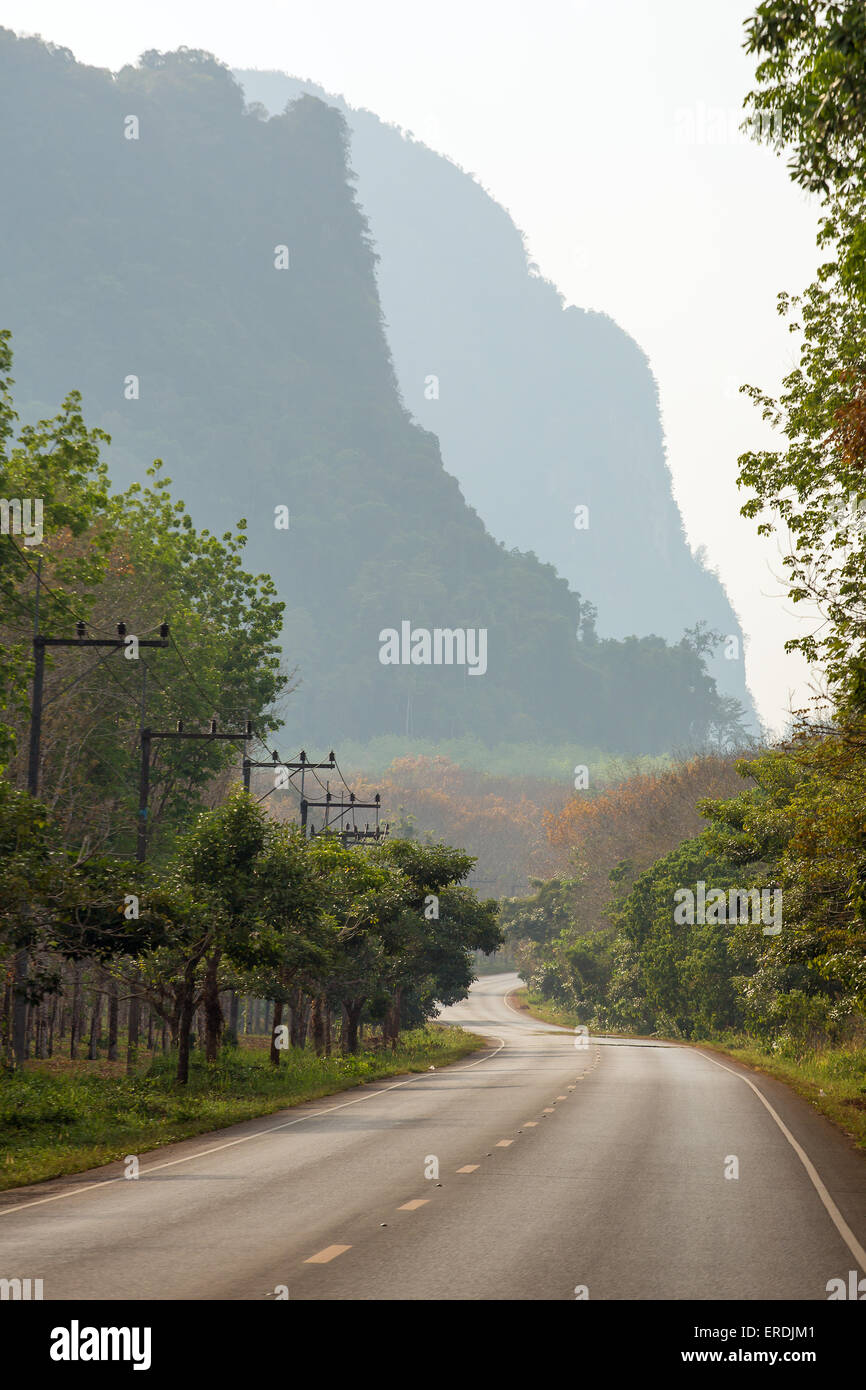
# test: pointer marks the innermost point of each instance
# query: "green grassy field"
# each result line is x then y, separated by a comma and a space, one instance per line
64, 1117
833, 1079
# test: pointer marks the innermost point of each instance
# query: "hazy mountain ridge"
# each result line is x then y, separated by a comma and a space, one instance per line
542, 407
154, 258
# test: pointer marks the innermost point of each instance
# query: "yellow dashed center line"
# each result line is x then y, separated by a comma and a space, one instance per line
332, 1251
329, 1253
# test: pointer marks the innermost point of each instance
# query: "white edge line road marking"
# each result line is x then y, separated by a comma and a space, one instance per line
830, 1207
505, 999
287, 1124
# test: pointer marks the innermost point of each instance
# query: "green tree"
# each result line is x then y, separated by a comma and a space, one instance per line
219, 858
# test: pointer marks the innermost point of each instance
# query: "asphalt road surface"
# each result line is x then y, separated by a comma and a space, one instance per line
567, 1167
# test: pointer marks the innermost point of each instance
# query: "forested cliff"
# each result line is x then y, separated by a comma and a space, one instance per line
206, 277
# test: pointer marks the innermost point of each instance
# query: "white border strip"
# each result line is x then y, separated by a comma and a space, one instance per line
830, 1207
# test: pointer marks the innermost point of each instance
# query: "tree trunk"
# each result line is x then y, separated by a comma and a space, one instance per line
278, 1018
19, 1008
391, 1023
234, 1013
95, 1027
7, 1019
75, 1020
212, 1012
184, 1025
175, 1018
317, 1025
133, 1030
112, 1020
351, 1019
64, 1010
300, 1018
183, 1036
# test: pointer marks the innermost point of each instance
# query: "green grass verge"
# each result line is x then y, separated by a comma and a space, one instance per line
833, 1079
57, 1122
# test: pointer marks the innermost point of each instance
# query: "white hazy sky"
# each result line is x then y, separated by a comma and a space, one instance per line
575, 115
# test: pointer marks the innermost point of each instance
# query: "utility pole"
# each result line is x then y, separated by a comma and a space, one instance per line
147, 736
340, 810
22, 963
133, 1018
19, 1004
80, 639
348, 834
38, 683
300, 766
143, 793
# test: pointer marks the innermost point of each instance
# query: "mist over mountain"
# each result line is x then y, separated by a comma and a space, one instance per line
206, 277
541, 407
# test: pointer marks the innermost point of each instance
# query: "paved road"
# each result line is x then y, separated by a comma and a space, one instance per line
559, 1168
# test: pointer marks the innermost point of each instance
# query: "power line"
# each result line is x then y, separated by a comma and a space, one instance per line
60, 598
117, 681
80, 640
342, 778
336, 811
60, 693
169, 694
302, 766
147, 735
321, 783
10, 594
212, 704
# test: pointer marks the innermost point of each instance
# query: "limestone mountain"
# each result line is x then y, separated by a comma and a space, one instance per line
207, 278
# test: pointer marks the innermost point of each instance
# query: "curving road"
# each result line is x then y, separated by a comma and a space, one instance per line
561, 1168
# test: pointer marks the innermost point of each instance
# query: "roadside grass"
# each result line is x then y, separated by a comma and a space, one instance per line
56, 1120
833, 1079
